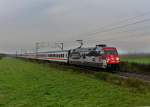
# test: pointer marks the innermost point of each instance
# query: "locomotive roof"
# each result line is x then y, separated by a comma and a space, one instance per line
91, 48
84, 49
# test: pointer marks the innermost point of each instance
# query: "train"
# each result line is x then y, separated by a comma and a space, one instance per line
99, 56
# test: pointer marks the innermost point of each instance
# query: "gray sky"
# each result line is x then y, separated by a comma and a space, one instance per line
23, 22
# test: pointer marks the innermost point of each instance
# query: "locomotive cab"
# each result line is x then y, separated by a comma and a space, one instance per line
111, 56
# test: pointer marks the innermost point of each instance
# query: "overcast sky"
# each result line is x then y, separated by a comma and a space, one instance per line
24, 22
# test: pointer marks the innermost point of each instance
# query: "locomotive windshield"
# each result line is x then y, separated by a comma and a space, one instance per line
111, 52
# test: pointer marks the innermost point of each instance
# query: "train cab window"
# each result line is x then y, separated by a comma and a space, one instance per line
102, 52
110, 52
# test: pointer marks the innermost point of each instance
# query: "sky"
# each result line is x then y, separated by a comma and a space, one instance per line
25, 22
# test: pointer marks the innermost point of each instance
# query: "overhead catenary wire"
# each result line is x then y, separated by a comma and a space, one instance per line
122, 26
103, 29
109, 29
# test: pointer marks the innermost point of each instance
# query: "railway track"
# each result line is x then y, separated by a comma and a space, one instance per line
123, 74
140, 76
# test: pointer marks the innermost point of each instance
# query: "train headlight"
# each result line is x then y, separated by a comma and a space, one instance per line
117, 58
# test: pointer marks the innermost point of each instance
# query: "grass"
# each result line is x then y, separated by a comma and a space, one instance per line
27, 84
136, 59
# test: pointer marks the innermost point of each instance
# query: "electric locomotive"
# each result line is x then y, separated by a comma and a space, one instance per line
100, 56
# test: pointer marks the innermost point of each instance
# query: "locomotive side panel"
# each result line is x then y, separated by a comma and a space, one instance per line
100, 57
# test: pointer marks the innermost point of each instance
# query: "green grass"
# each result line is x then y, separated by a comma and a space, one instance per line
136, 59
28, 84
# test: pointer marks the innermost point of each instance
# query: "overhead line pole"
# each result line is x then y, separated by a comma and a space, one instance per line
16, 53
60, 45
37, 48
81, 43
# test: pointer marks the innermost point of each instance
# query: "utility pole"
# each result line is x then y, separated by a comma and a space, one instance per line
37, 47
80, 42
21, 52
16, 53
60, 45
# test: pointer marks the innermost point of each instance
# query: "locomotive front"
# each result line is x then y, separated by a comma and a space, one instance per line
112, 58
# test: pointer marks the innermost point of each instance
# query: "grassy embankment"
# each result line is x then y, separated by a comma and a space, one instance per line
27, 84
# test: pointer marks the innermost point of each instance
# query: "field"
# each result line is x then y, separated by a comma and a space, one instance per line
136, 59
28, 84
